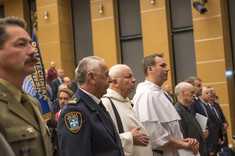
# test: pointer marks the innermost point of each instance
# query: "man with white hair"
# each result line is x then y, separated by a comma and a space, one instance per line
134, 137
214, 128
189, 126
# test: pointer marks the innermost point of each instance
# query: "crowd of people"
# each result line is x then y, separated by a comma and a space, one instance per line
93, 116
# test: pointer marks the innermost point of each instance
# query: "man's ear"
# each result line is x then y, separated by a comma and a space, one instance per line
91, 77
182, 92
149, 68
115, 82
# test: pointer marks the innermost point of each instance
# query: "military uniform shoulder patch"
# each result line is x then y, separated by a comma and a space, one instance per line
74, 100
73, 121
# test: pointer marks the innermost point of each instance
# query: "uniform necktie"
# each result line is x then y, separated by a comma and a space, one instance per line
102, 107
26, 103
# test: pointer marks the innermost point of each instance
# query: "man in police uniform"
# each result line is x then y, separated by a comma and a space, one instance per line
85, 127
21, 122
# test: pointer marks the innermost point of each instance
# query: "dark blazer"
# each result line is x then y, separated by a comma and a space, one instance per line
196, 107
52, 124
74, 86
223, 120
220, 113
54, 86
190, 127
85, 130
20, 128
55, 105
214, 129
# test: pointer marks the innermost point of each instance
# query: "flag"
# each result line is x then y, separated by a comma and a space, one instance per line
35, 84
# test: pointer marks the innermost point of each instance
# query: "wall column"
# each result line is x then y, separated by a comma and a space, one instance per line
55, 34
155, 26
105, 32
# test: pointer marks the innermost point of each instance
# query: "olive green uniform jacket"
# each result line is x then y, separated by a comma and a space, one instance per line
24, 134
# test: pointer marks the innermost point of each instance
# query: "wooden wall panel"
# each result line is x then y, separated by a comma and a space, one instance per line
155, 33
105, 31
210, 50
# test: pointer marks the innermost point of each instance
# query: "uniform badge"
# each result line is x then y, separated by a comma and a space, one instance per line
73, 121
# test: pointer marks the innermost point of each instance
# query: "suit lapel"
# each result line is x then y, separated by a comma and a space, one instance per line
16, 107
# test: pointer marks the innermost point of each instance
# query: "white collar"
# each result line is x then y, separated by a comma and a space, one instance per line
92, 96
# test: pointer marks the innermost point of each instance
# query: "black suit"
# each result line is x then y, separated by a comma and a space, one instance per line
52, 124
85, 130
190, 127
223, 120
197, 107
55, 105
54, 86
215, 128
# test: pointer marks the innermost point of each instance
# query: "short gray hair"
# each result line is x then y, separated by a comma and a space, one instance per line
9, 21
115, 71
181, 86
87, 64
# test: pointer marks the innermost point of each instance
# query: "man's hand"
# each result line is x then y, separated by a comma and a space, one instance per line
139, 138
205, 133
224, 129
192, 144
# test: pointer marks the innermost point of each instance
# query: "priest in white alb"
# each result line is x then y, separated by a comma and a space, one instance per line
156, 112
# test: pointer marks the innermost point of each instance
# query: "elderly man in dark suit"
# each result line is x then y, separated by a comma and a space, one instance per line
21, 122
215, 128
189, 126
220, 116
85, 128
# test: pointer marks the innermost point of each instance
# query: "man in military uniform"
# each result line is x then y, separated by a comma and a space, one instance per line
21, 122
85, 128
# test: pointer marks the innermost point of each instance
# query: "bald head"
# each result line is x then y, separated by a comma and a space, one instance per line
52, 64
60, 73
117, 70
185, 93
67, 81
123, 81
